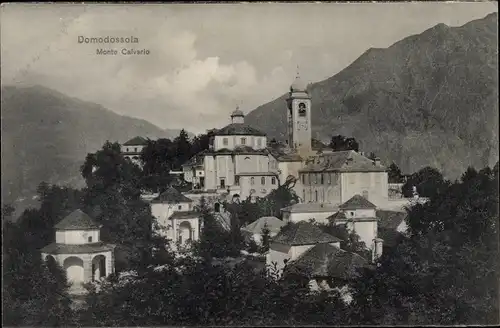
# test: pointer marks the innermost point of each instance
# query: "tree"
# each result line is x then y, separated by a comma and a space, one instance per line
339, 143
427, 279
428, 181
266, 238
113, 198
182, 150
394, 173
158, 158
34, 292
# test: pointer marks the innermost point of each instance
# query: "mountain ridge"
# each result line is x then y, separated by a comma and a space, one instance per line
421, 89
47, 134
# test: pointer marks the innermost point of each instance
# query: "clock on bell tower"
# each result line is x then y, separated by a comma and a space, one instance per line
299, 118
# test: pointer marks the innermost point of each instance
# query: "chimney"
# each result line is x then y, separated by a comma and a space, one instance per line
377, 248
376, 161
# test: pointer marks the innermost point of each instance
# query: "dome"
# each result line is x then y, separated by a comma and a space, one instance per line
298, 85
237, 112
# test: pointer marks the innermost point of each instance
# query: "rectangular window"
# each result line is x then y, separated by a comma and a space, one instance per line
322, 178
90, 239
263, 180
225, 141
237, 180
273, 181
303, 179
135, 149
243, 141
259, 142
222, 183
252, 180
179, 207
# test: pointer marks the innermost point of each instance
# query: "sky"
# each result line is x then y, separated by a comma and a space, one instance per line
204, 59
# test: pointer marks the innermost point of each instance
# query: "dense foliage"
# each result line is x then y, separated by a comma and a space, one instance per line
339, 143
428, 181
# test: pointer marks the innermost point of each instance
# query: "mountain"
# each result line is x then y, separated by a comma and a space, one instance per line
46, 136
429, 99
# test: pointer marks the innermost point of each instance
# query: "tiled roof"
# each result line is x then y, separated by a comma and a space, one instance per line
136, 141
185, 215
390, 219
357, 202
77, 220
284, 155
196, 160
171, 196
77, 249
273, 224
342, 161
310, 208
241, 150
339, 216
236, 129
303, 233
325, 260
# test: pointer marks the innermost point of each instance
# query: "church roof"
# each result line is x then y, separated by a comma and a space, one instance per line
273, 224
98, 247
298, 85
137, 141
325, 260
342, 161
303, 233
185, 215
357, 202
237, 112
284, 155
237, 129
171, 196
77, 220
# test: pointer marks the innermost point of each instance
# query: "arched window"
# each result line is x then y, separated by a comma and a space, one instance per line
302, 109
263, 180
273, 181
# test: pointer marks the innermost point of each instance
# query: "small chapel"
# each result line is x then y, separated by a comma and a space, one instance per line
79, 250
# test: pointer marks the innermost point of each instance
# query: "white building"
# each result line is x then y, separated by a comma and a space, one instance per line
79, 250
176, 216
132, 149
240, 162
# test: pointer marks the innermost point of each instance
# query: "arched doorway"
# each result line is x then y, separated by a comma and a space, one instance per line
74, 269
98, 267
184, 233
217, 207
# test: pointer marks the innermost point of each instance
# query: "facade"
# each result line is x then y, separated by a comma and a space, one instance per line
335, 177
132, 149
238, 153
176, 218
79, 250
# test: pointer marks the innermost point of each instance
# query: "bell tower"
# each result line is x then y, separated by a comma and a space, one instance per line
299, 118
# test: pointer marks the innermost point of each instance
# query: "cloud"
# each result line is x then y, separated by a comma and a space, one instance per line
203, 60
